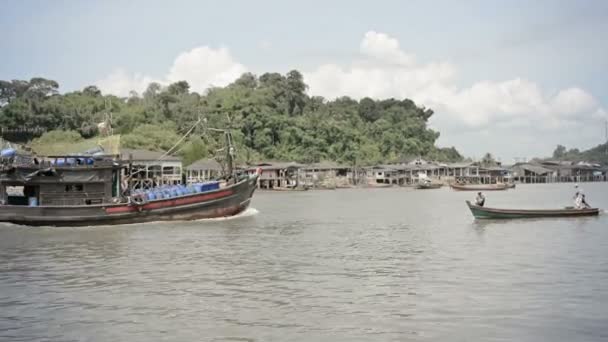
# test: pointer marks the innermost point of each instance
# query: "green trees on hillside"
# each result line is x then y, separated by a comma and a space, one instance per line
272, 117
598, 154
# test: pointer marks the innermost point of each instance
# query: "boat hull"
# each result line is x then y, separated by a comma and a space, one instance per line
494, 213
429, 186
480, 187
223, 202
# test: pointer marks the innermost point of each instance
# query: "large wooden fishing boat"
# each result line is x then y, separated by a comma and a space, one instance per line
86, 190
480, 187
494, 213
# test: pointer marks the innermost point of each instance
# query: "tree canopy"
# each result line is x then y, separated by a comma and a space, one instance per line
598, 154
272, 117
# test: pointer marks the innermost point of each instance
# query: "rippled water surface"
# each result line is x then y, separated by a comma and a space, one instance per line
346, 265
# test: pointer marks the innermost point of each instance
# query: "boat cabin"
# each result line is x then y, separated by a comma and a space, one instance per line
59, 180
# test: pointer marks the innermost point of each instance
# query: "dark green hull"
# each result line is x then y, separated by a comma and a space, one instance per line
493, 213
429, 186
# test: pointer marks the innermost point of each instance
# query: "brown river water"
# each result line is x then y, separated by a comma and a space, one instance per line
347, 265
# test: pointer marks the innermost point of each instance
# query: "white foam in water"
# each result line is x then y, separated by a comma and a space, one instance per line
247, 213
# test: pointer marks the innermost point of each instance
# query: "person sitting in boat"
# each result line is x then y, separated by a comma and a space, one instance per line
480, 199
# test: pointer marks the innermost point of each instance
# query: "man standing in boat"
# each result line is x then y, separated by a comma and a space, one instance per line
578, 196
578, 191
480, 199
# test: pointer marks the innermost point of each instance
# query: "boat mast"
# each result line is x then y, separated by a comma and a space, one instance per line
229, 154
230, 151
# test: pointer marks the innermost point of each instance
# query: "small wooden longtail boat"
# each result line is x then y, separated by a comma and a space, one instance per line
424, 186
480, 187
494, 213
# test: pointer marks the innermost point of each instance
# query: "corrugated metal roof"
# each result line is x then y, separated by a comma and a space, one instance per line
459, 165
275, 165
145, 155
205, 164
326, 165
537, 169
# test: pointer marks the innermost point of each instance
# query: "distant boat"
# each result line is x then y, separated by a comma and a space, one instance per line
494, 213
481, 187
428, 185
285, 188
378, 185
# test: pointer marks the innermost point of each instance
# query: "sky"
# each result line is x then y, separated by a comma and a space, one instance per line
513, 78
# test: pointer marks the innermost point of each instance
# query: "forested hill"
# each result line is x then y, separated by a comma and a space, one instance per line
272, 116
598, 154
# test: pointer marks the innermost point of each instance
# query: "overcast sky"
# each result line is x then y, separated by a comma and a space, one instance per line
514, 78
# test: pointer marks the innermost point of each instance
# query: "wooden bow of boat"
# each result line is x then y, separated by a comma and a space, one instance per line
495, 213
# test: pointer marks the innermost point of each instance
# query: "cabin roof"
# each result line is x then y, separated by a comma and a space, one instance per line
459, 165
326, 165
145, 155
275, 165
556, 162
537, 169
204, 164
493, 168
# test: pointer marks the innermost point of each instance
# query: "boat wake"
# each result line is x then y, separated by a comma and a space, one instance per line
249, 212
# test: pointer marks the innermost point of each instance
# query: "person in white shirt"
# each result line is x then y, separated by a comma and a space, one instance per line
577, 195
480, 199
578, 201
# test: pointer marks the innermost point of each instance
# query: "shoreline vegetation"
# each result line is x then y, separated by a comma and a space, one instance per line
271, 115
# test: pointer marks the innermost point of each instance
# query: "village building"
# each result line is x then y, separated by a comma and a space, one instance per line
329, 175
557, 171
203, 170
567, 171
149, 169
494, 174
384, 175
278, 175
532, 173
412, 172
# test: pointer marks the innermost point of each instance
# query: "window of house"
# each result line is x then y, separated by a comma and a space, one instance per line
74, 188
168, 170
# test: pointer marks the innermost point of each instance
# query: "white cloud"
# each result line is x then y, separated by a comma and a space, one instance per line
573, 101
504, 109
201, 67
392, 72
204, 67
119, 82
384, 48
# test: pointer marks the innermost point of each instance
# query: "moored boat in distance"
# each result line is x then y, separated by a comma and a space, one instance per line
428, 185
481, 187
495, 213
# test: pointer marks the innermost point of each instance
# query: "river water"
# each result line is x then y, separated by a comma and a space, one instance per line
345, 265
